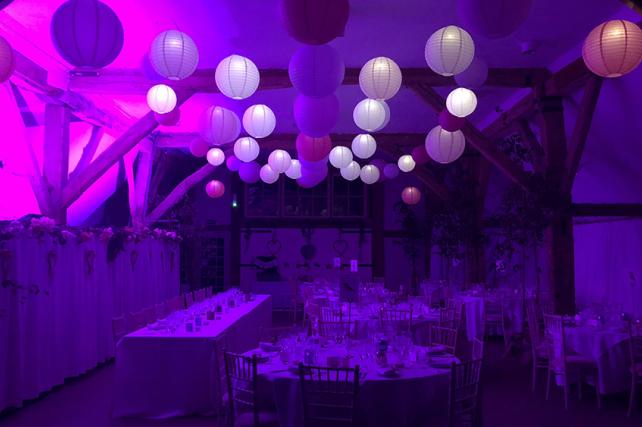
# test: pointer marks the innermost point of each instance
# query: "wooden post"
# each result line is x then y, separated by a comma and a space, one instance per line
56, 158
235, 231
141, 185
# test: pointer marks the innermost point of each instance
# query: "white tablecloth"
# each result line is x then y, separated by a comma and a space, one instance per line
474, 312
161, 374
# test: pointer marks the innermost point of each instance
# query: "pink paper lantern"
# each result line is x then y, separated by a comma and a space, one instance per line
493, 19
215, 189
7, 60
169, 119
232, 163
411, 195
198, 147
450, 122
419, 155
316, 71
316, 117
313, 149
391, 171
613, 48
315, 21
250, 172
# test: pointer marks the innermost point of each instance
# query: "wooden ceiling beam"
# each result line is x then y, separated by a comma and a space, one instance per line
607, 209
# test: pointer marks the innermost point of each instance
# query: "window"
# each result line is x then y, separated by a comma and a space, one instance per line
305, 202
348, 198
262, 200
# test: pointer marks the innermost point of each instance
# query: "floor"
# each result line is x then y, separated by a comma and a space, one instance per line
508, 401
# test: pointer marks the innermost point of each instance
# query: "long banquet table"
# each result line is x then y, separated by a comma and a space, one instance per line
162, 374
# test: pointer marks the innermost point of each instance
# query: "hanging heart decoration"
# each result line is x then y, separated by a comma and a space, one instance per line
90, 258
340, 246
273, 247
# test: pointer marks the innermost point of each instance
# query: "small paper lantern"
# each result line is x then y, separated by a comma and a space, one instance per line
419, 155
352, 171
161, 99
215, 156
370, 115
493, 18
7, 60
369, 174
294, 171
380, 78
340, 157
233, 164
316, 71
474, 76
313, 149
215, 188
406, 163
246, 149
449, 122
364, 146
449, 50
268, 175
391, 171
316, 117
259, 121
87, 33
315, 21
219, 125
461, 102
613, 48
279, 161
250, 172
411, 195
169, 119
237, 77
198, 147
443, 146
174, 55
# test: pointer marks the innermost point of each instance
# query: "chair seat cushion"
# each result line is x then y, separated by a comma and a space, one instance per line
266, 419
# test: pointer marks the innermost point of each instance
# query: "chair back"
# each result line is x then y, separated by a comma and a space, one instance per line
118, 328
175, 304
336, 330
332, 313
199, 295
556, 341
241, 378
135, 320
398, 319
160, 310
533, 323
448, 318
635, 343
329, 395
189, 299
464, 389
478, 349
446, 337
149, 315
208, 292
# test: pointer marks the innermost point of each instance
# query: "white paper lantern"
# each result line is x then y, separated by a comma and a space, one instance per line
279, 161
246, 149
294, 171
364, 146
215, 156
387, 119
174, 55
161, 99
443, 146
369, 174
370, 115
351, 172
461, 102
406, 163
259, 121
219, 125
380, 78
340, 157
474, 76
237, 77
268, 175
449, 51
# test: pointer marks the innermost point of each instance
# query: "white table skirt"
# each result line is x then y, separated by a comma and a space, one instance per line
161, 375
474, 312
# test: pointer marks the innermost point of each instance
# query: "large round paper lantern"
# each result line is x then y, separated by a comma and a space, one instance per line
219, 125
246, 149
340, 157
369, 174
250, 172
259, 121
406, 163
268, 175
161, 99
449, 122
233, 164
279, 161
364, 146
237, 77
474, 76
215, 156
391, 170
411, 195
198, 147
174, 55
493, 18
370, 115
351, 172
315, 21
443, 146
86, 33
169, 119
461, 102
7, 60
613, 48
294, 171
316, 71
380, 78
215, 188
313, 149
316, 117
449, 50
419, 155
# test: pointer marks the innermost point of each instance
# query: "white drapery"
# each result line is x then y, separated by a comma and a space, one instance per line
57, 301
